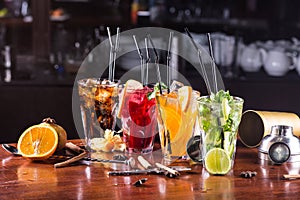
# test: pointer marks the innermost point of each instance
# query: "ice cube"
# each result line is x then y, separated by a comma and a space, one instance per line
175, 85
103, 94
90, 82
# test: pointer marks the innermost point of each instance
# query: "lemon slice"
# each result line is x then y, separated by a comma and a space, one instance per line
184, 97
130, 84
217, 161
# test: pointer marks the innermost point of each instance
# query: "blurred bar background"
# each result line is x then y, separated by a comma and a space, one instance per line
43, 42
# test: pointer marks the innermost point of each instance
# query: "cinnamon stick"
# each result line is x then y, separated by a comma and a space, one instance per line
71, 160
74, 147
291, 176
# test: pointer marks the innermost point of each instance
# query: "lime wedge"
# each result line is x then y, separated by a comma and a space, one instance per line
217, 161
225, 108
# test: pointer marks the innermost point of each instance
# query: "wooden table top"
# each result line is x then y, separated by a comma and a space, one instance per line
23, 179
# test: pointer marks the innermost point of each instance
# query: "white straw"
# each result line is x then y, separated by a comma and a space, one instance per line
115, 53
110, 55
109, 37
204, 71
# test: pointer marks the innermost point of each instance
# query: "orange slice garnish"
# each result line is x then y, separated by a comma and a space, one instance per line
38, 142
173, 121
171, 113
184, 97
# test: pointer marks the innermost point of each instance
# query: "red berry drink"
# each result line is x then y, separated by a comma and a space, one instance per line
139, 120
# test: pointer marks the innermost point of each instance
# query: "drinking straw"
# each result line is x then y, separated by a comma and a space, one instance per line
168, 60
110, 55
115, 52
156, 63
200, 60
142, 59
213, 62
147, 60
215, 84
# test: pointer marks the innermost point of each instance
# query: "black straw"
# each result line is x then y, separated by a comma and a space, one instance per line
168, 60
213, 62
156, 62
200, 60
147, 60
142, 59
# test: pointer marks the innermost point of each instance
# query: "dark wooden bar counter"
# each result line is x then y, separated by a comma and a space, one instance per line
23, 179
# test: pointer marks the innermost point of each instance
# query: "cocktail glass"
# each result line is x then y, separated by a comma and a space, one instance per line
219, 119
139, 120
175, 123
98, 105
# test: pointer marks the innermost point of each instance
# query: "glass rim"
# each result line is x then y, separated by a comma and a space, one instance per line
165, 92
235, 98
122, 86
98, 81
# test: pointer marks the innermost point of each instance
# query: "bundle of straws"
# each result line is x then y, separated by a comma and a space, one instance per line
113, 54
145, 61
212, 87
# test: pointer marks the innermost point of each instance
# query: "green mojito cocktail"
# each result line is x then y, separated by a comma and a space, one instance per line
219, 118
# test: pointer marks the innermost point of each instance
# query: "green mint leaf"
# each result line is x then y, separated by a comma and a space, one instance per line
151, 95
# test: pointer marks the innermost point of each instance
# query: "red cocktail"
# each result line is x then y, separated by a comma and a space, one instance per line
139, 122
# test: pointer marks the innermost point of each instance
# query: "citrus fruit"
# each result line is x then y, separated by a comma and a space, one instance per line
130, 84
62, 134
225, 108
38, 142
173, 121
171, 113
217, 161
184, 97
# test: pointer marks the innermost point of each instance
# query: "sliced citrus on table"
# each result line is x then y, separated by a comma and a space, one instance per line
217, 161
38, 142
61, 132
184, 97
130, 84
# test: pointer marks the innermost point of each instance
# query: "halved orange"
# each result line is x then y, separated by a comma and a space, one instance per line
61, 132
38, 142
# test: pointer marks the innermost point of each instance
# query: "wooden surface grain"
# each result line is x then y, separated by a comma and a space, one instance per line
24, 179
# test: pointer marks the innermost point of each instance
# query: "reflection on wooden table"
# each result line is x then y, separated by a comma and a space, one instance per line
23, 179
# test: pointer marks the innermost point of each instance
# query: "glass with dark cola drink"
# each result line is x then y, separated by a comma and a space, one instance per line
98, 105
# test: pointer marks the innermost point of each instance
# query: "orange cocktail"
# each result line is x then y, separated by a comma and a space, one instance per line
177, 113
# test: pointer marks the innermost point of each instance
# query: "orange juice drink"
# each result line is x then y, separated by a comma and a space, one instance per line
177, 112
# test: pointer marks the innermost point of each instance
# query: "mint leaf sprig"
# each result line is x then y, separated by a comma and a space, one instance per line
151, 95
